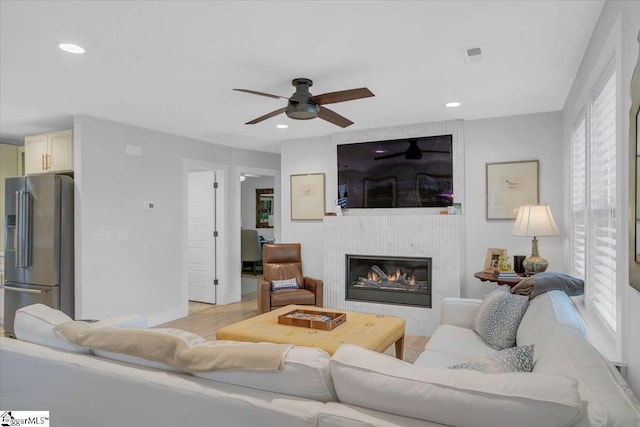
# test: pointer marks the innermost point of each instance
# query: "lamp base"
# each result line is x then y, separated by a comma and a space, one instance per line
534, 264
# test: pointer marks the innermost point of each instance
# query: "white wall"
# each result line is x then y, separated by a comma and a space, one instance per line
312, 155
144, 273
616, 31
248, 203
527, 137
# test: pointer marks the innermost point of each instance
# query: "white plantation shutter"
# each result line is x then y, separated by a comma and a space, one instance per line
578, 198
602, 209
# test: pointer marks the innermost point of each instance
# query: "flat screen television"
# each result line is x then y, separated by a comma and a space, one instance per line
399, 173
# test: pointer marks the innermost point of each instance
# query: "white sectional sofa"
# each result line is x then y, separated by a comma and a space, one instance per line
571, 384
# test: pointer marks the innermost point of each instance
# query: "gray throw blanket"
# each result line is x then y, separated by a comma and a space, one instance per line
543, 282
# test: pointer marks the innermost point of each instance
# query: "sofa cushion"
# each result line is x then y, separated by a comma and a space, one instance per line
305, 374
437, 359
498, 318
377, 381
544, 313
459, 342
610, 400
514, 359
34, 323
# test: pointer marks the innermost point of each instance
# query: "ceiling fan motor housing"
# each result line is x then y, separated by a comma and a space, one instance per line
301, 106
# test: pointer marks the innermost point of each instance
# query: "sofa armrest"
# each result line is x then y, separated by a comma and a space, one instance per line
264, 296
316, 286
459, 311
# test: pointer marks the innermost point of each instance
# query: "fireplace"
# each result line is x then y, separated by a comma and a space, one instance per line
388, 280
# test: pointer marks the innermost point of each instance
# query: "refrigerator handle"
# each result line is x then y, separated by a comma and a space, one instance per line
23, 229
23, 290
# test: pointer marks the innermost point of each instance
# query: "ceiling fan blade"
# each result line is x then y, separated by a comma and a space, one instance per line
388, 156
333, 117
267, 116
341, 96
261, 93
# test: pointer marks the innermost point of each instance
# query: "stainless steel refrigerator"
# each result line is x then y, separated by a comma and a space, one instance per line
38, 244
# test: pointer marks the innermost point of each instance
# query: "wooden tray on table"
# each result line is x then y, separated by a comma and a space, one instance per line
324, 320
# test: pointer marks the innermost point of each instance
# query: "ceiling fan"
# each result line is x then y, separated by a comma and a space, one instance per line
304, 106
413, 152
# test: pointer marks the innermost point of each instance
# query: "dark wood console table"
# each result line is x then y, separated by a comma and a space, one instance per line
491, 278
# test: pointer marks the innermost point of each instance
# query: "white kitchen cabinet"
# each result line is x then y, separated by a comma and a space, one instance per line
49, 152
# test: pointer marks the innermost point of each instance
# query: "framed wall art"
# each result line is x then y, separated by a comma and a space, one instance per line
510, 185
307, 196
264, 207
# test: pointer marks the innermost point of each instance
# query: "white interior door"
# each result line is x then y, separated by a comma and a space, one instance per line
201, 245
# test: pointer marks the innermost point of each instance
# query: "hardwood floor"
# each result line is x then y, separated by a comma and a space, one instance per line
205, 319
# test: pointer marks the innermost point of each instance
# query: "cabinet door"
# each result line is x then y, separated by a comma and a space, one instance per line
60, 151
35, 150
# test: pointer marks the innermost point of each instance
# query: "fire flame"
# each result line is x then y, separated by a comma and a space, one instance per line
395, 275
410, 280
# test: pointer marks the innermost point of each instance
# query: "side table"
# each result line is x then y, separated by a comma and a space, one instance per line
491, 278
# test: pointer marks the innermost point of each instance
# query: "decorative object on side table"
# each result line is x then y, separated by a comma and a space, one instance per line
493, 258
490, 277
535, 220
517, 263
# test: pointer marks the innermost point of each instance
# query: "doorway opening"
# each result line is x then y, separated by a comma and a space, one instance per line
258, 206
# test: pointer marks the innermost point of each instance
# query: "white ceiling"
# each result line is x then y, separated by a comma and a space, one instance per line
171, 65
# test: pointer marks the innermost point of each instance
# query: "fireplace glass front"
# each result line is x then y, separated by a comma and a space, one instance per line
389, 280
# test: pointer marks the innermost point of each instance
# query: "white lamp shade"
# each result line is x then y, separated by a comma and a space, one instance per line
535, 220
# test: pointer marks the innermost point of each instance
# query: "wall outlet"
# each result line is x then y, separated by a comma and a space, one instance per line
149, 206
123, 235
103, 236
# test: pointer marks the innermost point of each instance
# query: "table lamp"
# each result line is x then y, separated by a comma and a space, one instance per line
535, 220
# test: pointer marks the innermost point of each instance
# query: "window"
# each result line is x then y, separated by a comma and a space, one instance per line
593, 199
578, 199
601, 274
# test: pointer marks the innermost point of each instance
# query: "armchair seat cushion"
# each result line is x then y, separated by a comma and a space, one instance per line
292, 296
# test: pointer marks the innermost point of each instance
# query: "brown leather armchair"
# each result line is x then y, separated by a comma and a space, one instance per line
282, 261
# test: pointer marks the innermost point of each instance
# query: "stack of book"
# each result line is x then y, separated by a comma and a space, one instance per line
506, 275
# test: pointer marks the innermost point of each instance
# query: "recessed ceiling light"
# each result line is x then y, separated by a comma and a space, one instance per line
71, 48
282, 126
452, 104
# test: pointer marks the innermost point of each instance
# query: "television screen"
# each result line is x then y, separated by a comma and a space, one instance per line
400, 173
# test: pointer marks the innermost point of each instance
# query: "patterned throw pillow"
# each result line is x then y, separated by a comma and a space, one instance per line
277, 285
515, 359
498, 318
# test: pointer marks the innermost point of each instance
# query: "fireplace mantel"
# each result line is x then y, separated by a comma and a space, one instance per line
435, 236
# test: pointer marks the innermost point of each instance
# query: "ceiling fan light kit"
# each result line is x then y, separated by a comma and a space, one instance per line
302, 105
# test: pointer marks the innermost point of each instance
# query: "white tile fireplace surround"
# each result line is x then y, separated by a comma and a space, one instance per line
435, 236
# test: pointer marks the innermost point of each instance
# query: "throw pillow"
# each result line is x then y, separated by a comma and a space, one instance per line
515, 359
277, 285
498, 318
